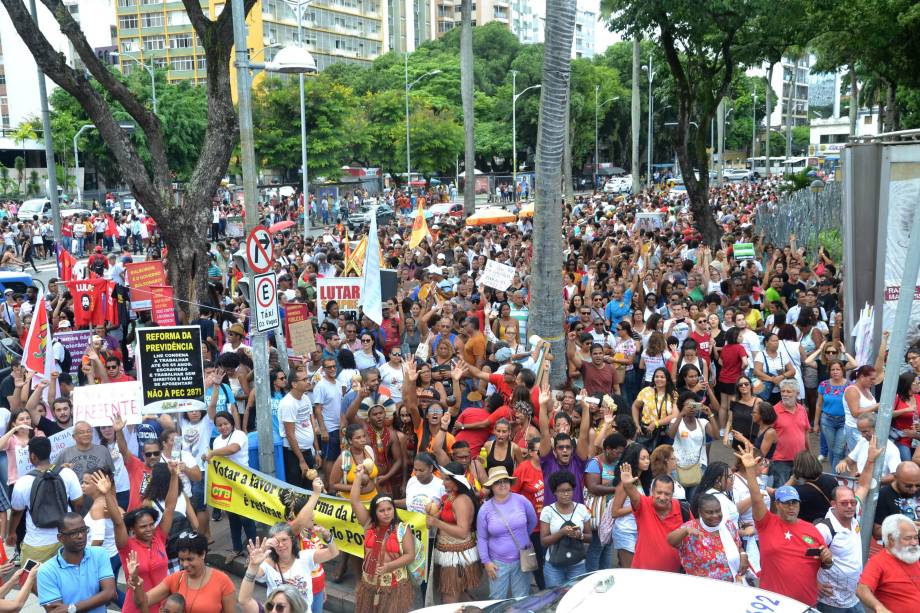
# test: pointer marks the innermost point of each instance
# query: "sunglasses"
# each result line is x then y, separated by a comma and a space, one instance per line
743, 384
367, 340
151, 454
271, 606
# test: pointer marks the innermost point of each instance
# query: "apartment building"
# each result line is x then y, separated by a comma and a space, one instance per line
410, 23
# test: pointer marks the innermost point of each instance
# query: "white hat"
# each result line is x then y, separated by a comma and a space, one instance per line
63, 324
434, 269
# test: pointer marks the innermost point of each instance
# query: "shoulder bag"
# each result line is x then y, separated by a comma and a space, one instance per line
529, 561
567, 551
692, 475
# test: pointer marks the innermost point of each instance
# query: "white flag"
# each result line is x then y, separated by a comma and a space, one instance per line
371, 300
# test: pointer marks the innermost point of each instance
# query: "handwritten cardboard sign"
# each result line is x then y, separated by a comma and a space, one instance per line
96, 404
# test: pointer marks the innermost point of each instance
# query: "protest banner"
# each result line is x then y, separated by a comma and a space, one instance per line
170, 371
264, 499
743, 251
96, 404
298, 329
76, 342
497, 275
346, 291
142, 275
163, 312
59, 442
649, 221
235, 227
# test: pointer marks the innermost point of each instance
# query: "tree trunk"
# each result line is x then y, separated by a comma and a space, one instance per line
854, 100
790, 106
636, 112
768, 95
568, 184
546, 308
891, 107
466, 95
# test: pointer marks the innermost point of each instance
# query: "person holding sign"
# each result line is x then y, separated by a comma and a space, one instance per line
384, 586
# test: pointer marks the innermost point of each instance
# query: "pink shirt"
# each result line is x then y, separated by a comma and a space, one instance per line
791, 432
12, 445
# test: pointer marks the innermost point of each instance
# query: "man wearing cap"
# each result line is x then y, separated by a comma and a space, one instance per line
792, 550
9, 313
235, 335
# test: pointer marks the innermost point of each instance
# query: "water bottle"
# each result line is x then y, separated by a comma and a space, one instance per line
177, 450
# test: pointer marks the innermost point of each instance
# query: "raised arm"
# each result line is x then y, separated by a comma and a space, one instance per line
546, 439
758, 508
361, 514
629, 485
583, 447
410, 394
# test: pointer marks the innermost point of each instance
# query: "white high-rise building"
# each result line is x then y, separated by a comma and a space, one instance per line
528, 21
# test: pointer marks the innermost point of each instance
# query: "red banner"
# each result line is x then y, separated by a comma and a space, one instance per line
294, 312
163, 313
142, 275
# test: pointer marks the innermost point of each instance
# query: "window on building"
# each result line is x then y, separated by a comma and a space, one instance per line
152, 20
180, 41
182, 63
154, 43
867, 120
127, 22
127, 3
201, 62
2, 78
179, 18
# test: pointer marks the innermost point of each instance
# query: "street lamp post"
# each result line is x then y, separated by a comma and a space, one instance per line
514, 99
596, 108
76, 160
754, 131
651, 129
303, 124
153, 83
409, 87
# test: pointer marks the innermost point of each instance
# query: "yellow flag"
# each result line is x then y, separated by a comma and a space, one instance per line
356, 261
419, 226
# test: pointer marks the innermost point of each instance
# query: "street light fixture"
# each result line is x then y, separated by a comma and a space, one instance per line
514, 98
409, 87
650, 69
596, 108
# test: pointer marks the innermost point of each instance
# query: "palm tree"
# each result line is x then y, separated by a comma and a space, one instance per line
546, 309
466, 95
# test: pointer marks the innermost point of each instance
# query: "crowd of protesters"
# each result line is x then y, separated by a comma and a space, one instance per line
677, 353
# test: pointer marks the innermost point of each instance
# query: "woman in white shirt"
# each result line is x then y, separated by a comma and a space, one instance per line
689, 434
718, 481
233, 444
101, 528
564, 519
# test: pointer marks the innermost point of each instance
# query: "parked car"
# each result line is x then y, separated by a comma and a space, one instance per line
736, 174
41, 207
16, 281
362, 216
618, 185
625, 589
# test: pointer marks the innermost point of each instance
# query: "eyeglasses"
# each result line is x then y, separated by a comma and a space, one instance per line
75, 533
586, 312
367, 340
151, 454
743, 384
831, 352
395, 355
111, 366
846, 503
271, 606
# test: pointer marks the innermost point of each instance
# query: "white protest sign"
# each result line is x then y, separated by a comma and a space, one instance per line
59, 442
497, 275
96, 404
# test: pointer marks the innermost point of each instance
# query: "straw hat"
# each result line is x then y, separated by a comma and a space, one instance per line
497, 474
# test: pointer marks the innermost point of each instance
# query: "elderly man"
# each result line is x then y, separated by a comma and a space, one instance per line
85, 457
856, 460
891, 581
791, 430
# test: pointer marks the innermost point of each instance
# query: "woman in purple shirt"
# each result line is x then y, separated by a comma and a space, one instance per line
503, 529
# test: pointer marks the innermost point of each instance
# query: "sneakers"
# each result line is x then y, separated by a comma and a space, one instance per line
821, 458
217, 515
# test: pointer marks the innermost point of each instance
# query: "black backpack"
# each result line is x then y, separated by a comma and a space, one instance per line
97, 264
48, 498
66, 362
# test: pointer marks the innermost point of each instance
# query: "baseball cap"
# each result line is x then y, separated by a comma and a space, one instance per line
786, 493
503, 354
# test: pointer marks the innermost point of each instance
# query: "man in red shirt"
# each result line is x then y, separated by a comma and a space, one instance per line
138, 472
656, 516
791, 549
791, 430
474, 424
114, 371
890, 583
703, 337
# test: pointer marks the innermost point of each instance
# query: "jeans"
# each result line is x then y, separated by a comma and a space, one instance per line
509, 576
558, 575
78, 245
116, 566
833, 431
598, 557
538, 547
238, 523
781, 471
827, 608
852, 437
318, 600
906, 452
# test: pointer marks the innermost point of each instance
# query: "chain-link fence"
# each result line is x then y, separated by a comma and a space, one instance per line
814, 218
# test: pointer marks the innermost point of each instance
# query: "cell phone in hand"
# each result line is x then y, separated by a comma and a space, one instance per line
26, 569
813, 552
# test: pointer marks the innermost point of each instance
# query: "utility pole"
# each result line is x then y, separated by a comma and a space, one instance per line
49, 144
754, 131
720, 136
636, 113
514, 135
651, 127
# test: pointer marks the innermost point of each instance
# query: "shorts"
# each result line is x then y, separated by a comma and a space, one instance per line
39, 553
725, 388
333, 447
624, 539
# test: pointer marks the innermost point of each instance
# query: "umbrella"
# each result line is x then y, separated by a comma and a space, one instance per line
485, 217
526, 210
281, 225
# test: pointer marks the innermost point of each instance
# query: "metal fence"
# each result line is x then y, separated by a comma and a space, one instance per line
814, 218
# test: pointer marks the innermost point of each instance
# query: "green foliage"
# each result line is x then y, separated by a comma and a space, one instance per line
65, 179
33, 188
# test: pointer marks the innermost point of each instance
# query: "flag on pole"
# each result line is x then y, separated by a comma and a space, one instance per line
38, 341
65, 264
356, 261
371, 300
346, 246
419, 226
111, 229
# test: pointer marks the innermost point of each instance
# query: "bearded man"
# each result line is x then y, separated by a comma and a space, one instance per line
890, 582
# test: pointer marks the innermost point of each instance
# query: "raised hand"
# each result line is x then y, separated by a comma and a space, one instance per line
626, 475
445, 421
747, 456
874, 450
258, 551
118, 422
102, 483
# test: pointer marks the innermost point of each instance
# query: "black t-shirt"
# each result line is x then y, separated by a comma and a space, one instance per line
742, 420
789, 290
7, 387
49, 427
891, 502
815, 497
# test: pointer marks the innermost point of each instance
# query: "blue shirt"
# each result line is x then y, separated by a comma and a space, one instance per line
833, 398
72, 583
618, 309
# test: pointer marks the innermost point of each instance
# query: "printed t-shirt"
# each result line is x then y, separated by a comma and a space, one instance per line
88, 295
784, 567
652, 549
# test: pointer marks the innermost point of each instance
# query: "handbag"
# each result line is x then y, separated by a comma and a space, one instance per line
596, 505
567, 551
692, 475
529, 561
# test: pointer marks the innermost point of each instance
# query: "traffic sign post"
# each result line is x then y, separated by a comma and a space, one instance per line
265, 291
260, 250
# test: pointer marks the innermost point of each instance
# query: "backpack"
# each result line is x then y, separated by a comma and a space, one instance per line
567, 551
48, 498
66, 362
97, 264
830, 526
418, 568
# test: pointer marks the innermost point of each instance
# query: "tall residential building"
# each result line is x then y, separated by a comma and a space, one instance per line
447, 13
528, 20
782, 82
407, 34
159, 32
19, 102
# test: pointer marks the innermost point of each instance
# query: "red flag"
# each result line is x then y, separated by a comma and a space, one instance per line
39, 340
111, 303
65, 262
162, 307
110, 229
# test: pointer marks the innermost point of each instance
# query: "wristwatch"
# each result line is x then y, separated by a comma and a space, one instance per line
72, 608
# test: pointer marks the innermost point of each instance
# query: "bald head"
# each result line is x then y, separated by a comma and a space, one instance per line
907, 478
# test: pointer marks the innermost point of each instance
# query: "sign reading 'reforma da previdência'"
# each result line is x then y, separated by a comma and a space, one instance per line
170, 368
